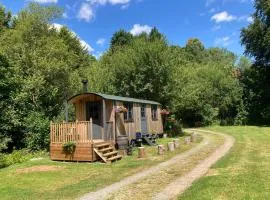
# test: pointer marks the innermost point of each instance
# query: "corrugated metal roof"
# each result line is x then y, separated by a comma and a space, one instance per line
117, 98
127, 99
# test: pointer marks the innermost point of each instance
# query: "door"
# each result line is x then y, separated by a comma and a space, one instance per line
143, 119
94, 111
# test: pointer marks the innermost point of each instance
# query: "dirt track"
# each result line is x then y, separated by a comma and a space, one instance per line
179, 184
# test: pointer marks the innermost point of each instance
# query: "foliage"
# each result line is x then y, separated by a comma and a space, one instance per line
175, 129
44, 67
37, 137
19, 156
69, 147
256, 78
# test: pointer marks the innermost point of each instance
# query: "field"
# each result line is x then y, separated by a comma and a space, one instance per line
46, 179
243, 173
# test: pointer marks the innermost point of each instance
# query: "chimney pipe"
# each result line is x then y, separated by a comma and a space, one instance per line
85, 85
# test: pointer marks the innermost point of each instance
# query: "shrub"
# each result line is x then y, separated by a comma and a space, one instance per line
19, 156
175, 130
37, 137
69, 147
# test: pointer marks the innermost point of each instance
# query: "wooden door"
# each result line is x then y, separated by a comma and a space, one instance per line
144, 128
94, 111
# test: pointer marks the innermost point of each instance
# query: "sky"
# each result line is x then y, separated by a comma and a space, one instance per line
217, 23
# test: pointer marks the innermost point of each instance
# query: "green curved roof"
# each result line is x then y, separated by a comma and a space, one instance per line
127, 99
118, 98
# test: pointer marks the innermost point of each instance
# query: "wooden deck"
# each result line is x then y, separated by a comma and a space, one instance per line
79, 132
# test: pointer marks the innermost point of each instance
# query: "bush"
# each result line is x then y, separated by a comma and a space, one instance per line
38, 128
19, 156
175, 129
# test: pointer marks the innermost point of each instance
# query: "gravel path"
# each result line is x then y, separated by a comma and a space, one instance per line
177, 186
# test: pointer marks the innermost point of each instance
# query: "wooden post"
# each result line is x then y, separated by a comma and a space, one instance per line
161, 149
187, 140
176, 143
141, 152
193, 137
91, 130
51, 132
171, 146
104, 118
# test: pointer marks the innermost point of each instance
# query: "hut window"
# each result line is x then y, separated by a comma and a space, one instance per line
128, 116
143, 111
154, 112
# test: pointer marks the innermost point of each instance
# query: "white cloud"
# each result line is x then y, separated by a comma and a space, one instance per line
57, 26
104, 2
215, 28
45, 1
250, 19
100, 41
65, 15
83, 42
223, 17
86, 12
209, 2
212, 10
124, 7
86, 45
138, 29
224, 41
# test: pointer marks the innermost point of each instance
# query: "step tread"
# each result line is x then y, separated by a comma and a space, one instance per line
106, 149
114, 158
102, 145
110, 153
100, 155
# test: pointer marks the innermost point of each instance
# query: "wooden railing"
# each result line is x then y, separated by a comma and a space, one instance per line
79, 132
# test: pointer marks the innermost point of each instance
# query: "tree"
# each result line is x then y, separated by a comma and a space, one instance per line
47, 71
195, 49
5, 18
256, 39
121, 38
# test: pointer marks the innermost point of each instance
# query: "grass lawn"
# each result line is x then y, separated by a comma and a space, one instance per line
71, 180
244, 173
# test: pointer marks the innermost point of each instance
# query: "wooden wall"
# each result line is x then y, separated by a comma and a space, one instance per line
130, 128
83, 152
80, 106
154, 126
120, 127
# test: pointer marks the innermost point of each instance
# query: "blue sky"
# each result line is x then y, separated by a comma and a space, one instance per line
214, 22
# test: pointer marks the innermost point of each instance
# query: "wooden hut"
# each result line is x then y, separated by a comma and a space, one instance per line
103, 121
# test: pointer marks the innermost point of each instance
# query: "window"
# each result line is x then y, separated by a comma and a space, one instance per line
143, 111
154, 112
128, 116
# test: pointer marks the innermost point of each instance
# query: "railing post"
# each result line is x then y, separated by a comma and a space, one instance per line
51, 132
77, 128
91, 130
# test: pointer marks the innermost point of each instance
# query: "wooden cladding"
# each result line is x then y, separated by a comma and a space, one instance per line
79, 132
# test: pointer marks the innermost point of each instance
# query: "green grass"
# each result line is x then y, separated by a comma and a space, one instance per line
244, 173
73, 179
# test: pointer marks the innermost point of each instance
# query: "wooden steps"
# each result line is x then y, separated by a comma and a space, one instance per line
106, 152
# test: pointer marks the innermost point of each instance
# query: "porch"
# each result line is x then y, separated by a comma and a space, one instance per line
83, 135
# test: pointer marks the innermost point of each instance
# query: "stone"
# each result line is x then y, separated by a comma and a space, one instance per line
171, 146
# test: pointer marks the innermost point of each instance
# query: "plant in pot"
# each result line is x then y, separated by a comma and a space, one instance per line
69, 147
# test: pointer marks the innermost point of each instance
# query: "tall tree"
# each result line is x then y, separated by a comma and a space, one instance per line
256, 39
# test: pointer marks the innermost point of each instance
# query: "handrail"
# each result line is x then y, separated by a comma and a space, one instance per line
78, 131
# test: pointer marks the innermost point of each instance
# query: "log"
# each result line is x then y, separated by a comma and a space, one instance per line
187, 140
141, 152
161, 149
176, 143
193, 137
171, 146
165, 135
